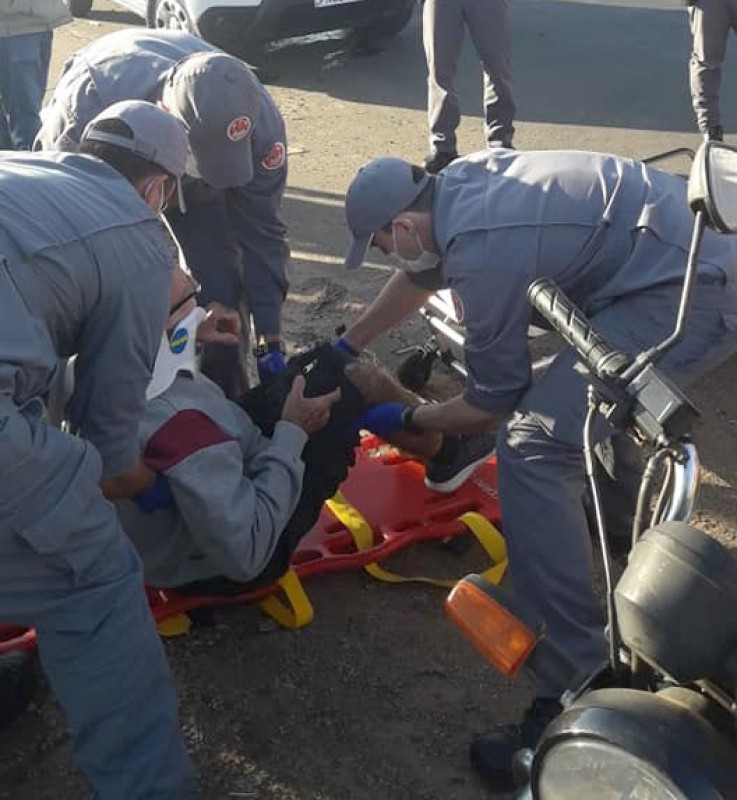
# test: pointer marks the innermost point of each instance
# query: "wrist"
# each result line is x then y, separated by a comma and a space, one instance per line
276, 346
346, 347
290, 433
409, 424
343, 344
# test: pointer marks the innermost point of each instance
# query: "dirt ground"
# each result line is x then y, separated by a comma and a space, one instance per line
379, 697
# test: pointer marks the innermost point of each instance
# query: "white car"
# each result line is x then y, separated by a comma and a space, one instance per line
230, 23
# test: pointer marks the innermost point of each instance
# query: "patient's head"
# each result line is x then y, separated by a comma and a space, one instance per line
178, 346
182, 296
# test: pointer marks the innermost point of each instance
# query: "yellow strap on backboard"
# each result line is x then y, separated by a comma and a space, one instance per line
486, 533
297, 611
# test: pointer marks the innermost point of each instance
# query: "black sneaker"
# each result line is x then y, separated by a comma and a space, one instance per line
492, 754
437, 161
500, 144
458, 460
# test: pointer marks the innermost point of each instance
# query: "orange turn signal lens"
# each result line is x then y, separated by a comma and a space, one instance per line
500, 637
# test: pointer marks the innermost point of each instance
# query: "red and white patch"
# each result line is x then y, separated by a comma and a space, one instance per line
458, 308
276, 158
239, 128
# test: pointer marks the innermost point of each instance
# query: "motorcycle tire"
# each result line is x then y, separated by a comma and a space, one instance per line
386, 28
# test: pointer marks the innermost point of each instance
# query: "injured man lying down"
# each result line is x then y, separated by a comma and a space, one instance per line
240, 483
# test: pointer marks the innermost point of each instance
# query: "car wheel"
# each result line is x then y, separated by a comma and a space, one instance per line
387, 27
17, 685
79, 8
171, 15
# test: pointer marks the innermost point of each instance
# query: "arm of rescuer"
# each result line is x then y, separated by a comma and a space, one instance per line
398, 299
221, 325
115, 356
496, 316
235, 496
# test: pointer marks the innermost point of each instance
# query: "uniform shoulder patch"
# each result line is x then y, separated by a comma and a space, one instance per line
276, 158
239, 128
458, 307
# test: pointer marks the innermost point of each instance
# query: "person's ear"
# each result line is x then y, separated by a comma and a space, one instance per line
154, 193
149, 189
403, 223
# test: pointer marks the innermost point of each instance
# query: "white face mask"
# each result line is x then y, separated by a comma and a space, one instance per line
162, 198
177, 353
423, 261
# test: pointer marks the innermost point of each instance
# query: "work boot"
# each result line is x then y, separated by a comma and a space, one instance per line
17, 684
492, 754
437, 161
457, 460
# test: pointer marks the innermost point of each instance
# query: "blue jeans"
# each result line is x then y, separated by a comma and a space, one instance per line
24, 69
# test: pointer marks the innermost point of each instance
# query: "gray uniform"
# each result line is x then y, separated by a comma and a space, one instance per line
711, 22
443, 24
84, 269
614, 235
234, 490
234, 239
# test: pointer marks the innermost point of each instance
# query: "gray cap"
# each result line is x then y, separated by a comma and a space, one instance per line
157, 136
381, 189
218, 99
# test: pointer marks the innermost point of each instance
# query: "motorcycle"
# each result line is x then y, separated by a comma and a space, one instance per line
666, 728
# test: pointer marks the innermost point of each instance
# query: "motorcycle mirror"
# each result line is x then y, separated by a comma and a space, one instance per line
503, 639
712, 185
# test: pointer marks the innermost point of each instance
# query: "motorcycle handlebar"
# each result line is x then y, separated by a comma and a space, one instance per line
596, 354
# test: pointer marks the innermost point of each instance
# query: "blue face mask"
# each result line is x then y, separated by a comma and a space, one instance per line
423, 261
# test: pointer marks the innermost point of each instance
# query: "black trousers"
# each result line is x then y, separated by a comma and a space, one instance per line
328, 455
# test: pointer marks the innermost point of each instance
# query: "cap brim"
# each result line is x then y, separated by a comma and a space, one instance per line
357, 251
224, 168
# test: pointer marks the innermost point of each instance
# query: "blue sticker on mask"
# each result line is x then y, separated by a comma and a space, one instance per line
178, 340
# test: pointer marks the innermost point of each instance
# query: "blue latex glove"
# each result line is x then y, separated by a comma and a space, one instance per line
273, 363
342, 345
383, 419
159, 496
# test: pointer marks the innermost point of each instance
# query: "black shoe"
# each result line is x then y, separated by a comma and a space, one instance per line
437, 161
715, 134
458, 460
17, 684
492, 754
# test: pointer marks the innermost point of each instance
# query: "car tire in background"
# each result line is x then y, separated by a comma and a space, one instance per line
79, 8
169, 15
387, 27
17, 685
